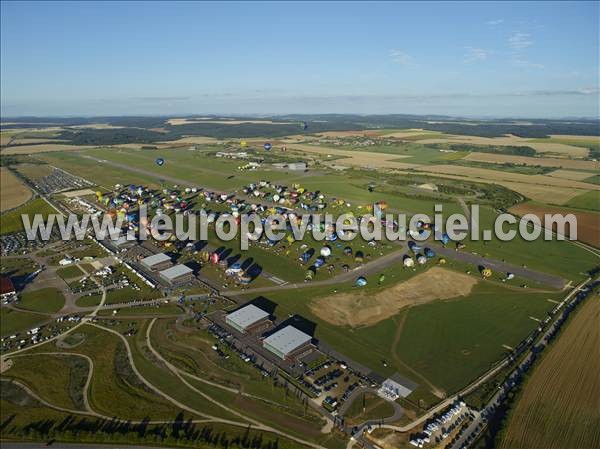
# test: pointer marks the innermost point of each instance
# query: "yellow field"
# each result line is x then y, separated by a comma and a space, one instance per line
425, 134
6, 137
362, 309
97, 126
573, 164
357, 158
560, 405
44, 129
570, 174
541, 188
13, 192
42, 148
595, 139
560, 149
191, 140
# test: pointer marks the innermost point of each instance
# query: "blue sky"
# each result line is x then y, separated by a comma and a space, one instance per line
521, 59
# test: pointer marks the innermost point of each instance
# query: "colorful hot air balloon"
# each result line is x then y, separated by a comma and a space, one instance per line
267, 146
360, 282
408, 261
326, 251
319, 262
486, 273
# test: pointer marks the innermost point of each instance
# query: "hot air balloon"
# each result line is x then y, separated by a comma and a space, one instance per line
319, 262
421, 259
267, 146
243, 144
381, 278
360, 282
442, 261
348, 251
160, 161
244, 279
510, 276
486, 273
326, 251
304, 126
429, 253
214, 258
413, 246
305, 257
408, 261
445, 238
205, 256
309, 274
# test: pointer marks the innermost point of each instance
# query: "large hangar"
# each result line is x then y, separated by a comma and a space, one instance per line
248, 319
288, 343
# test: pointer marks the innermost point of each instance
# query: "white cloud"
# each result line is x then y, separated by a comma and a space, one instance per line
494, 23
528, 64
520, 41
476, 54
402, 58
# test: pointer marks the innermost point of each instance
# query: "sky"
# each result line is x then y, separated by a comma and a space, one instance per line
470, 59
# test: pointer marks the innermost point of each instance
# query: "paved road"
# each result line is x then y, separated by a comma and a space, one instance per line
503, 267
364, 270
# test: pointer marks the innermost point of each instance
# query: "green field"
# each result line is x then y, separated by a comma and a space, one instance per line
12, 221
45, 300
595, 179
588, 200
128, 294
13, 321
69, 374
158, 310
69, 272
367, 407
88, 301
411, 152
113, 378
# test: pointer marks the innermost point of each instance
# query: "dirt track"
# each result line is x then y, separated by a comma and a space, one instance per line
362, 309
